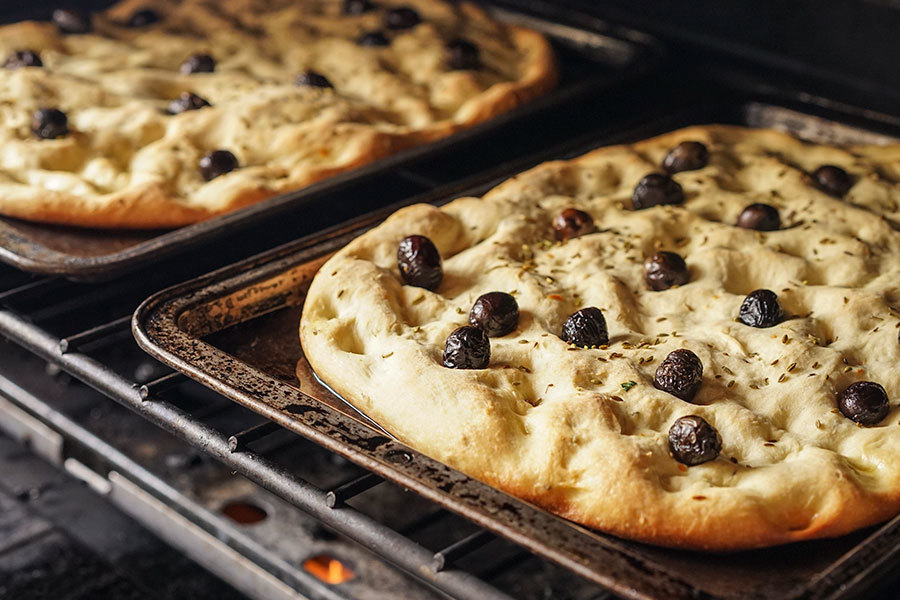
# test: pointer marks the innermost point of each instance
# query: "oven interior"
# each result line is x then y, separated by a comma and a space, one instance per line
278, 516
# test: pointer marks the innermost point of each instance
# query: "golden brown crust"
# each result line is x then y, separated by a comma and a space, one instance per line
127, 164
554, 425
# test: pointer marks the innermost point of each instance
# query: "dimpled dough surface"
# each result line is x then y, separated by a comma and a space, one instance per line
553, 424
126, 163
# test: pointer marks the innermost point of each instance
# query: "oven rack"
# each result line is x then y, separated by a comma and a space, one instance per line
22, 312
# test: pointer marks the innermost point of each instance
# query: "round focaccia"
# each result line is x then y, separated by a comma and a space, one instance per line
584, 431
299, 90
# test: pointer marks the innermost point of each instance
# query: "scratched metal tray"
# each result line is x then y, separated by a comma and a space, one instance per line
235, 330
593, 57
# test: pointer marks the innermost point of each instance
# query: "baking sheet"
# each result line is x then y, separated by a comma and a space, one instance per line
236, 331
589, 62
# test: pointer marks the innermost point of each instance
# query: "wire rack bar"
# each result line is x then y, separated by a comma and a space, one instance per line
386, 543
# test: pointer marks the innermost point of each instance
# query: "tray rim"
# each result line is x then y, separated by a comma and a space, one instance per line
164, 308
32, 256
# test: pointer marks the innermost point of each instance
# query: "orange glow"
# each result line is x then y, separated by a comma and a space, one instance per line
328, 569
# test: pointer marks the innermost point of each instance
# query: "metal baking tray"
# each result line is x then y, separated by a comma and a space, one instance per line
593, 57
236, 331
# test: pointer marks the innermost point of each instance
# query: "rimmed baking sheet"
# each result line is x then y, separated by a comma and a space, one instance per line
235, 330
593, 58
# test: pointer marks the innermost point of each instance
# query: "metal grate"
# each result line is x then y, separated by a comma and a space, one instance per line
34, 314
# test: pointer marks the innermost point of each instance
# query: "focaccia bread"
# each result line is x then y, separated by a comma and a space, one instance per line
292, 90
770, 444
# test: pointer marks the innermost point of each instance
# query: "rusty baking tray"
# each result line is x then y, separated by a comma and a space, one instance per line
593, 57
236, 331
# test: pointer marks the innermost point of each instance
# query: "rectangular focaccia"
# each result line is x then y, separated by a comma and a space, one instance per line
163, 113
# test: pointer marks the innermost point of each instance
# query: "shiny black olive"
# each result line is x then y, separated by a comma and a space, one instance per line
686, 156
402, 17
313, 79
833, 180
761, 217
216, 163
23, 58
49, 123
761, 309
69, 20
495, 313
198, 63
463, 55
572, 223
664, 270
655, 189
680, 374
467, 348
585, 328
143, 18
693, 441
865, 402
419, 262
185, 102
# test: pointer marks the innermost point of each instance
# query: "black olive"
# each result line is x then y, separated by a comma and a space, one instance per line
49, 123
664, 270
833, 180
572, 223
693, 441
761, 309
313, 79
216, 163
23, 58
143, 17
419, 262
185, 102
761, 217
373, 38
680, 374
402, 17
463, 55
495, 313
655, 189
198, 63
357, 7
467, 348
686, 156
865, 402
585, 328
69, 20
